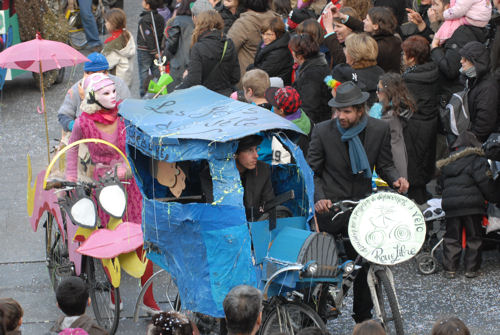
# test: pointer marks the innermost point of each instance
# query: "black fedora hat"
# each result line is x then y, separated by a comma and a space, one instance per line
348, 94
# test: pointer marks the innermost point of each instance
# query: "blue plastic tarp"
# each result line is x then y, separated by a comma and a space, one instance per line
206, 249
198, 113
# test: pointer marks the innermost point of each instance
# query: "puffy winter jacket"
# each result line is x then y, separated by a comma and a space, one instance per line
482, 98
204, 67
312, 89
477, 12
467, 182
276, 59
421, 81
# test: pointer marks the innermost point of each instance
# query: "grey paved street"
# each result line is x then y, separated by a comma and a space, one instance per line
23, 275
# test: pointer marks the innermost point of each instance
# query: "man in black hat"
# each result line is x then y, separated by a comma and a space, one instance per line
255, 177
343, 153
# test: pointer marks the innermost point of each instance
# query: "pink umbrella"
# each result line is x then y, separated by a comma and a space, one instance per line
40, 55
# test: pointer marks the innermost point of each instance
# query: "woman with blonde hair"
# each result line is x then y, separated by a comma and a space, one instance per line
213, 61
361, 52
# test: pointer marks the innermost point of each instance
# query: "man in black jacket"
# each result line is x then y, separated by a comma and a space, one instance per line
342, 153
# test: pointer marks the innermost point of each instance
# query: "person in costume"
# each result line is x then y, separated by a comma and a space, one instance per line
99, 119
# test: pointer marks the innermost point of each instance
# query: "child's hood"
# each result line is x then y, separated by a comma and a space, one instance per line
477, 53
129, 50
455, 169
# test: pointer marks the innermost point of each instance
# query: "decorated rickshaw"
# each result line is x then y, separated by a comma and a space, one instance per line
207, 245
206, 248
210, 247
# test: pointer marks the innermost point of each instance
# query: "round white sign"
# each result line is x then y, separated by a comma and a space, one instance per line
387, 228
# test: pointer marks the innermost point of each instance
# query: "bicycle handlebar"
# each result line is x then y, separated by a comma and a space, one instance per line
344, 203
65, 183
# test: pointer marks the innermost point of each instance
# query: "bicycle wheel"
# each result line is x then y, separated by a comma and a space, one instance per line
56, 252
386, 295
290, 317
426, 263
166, 292
321, 301
100, 290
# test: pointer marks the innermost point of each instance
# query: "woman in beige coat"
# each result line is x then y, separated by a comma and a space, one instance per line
246, 30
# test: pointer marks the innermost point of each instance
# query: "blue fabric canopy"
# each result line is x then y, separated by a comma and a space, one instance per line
198, 113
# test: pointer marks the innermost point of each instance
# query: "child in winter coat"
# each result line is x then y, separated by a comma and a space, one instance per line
467, 184
119, 48
150, 24
470, 12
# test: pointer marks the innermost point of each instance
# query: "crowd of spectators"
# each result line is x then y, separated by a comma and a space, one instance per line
242, 308
290, 57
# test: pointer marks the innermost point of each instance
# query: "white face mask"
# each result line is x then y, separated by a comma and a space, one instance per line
107, 96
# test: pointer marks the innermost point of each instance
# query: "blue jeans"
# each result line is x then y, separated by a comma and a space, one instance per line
88, 22
146, 63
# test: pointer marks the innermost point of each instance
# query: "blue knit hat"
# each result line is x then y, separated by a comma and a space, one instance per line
97, 62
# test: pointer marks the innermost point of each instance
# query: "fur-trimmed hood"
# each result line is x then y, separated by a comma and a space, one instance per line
454, 157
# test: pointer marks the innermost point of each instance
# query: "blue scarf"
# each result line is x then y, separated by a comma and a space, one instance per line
357, 153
